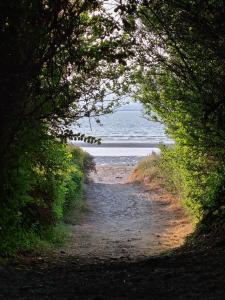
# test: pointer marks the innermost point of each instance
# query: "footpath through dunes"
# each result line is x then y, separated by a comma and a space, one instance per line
109, 253
125, 220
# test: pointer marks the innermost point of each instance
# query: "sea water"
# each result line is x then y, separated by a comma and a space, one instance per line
126, 132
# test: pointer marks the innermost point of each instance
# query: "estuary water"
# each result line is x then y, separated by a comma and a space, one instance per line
126, 132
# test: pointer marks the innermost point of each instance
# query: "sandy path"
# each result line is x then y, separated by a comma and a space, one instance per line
125, 220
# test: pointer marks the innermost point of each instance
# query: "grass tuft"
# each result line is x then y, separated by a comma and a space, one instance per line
147, 170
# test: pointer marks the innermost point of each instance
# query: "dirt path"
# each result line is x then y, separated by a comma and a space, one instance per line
125, 220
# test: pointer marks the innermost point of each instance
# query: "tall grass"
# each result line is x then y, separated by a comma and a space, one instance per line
147, 170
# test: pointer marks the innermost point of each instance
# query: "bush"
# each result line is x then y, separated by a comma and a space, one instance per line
47, 181
83, 159
74, 191
147, 170
82, 165
195, 178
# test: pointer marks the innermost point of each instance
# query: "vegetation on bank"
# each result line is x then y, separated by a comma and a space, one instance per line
59, 59
194, 181
161, 171
181, 80
63, 60
47, 184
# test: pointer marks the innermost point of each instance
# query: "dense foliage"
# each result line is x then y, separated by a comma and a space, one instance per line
47, 183
181, 78
59, 60
62, 60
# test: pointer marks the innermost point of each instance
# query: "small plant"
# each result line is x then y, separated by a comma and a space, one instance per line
147, 170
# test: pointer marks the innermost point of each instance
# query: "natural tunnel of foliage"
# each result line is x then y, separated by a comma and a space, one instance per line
60, 61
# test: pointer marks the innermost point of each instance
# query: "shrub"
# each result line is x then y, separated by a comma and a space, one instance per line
46, 182
195, 178
83, 159
82, 165
147, 170
74, 191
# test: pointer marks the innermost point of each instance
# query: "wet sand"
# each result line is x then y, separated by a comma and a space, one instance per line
121, 149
